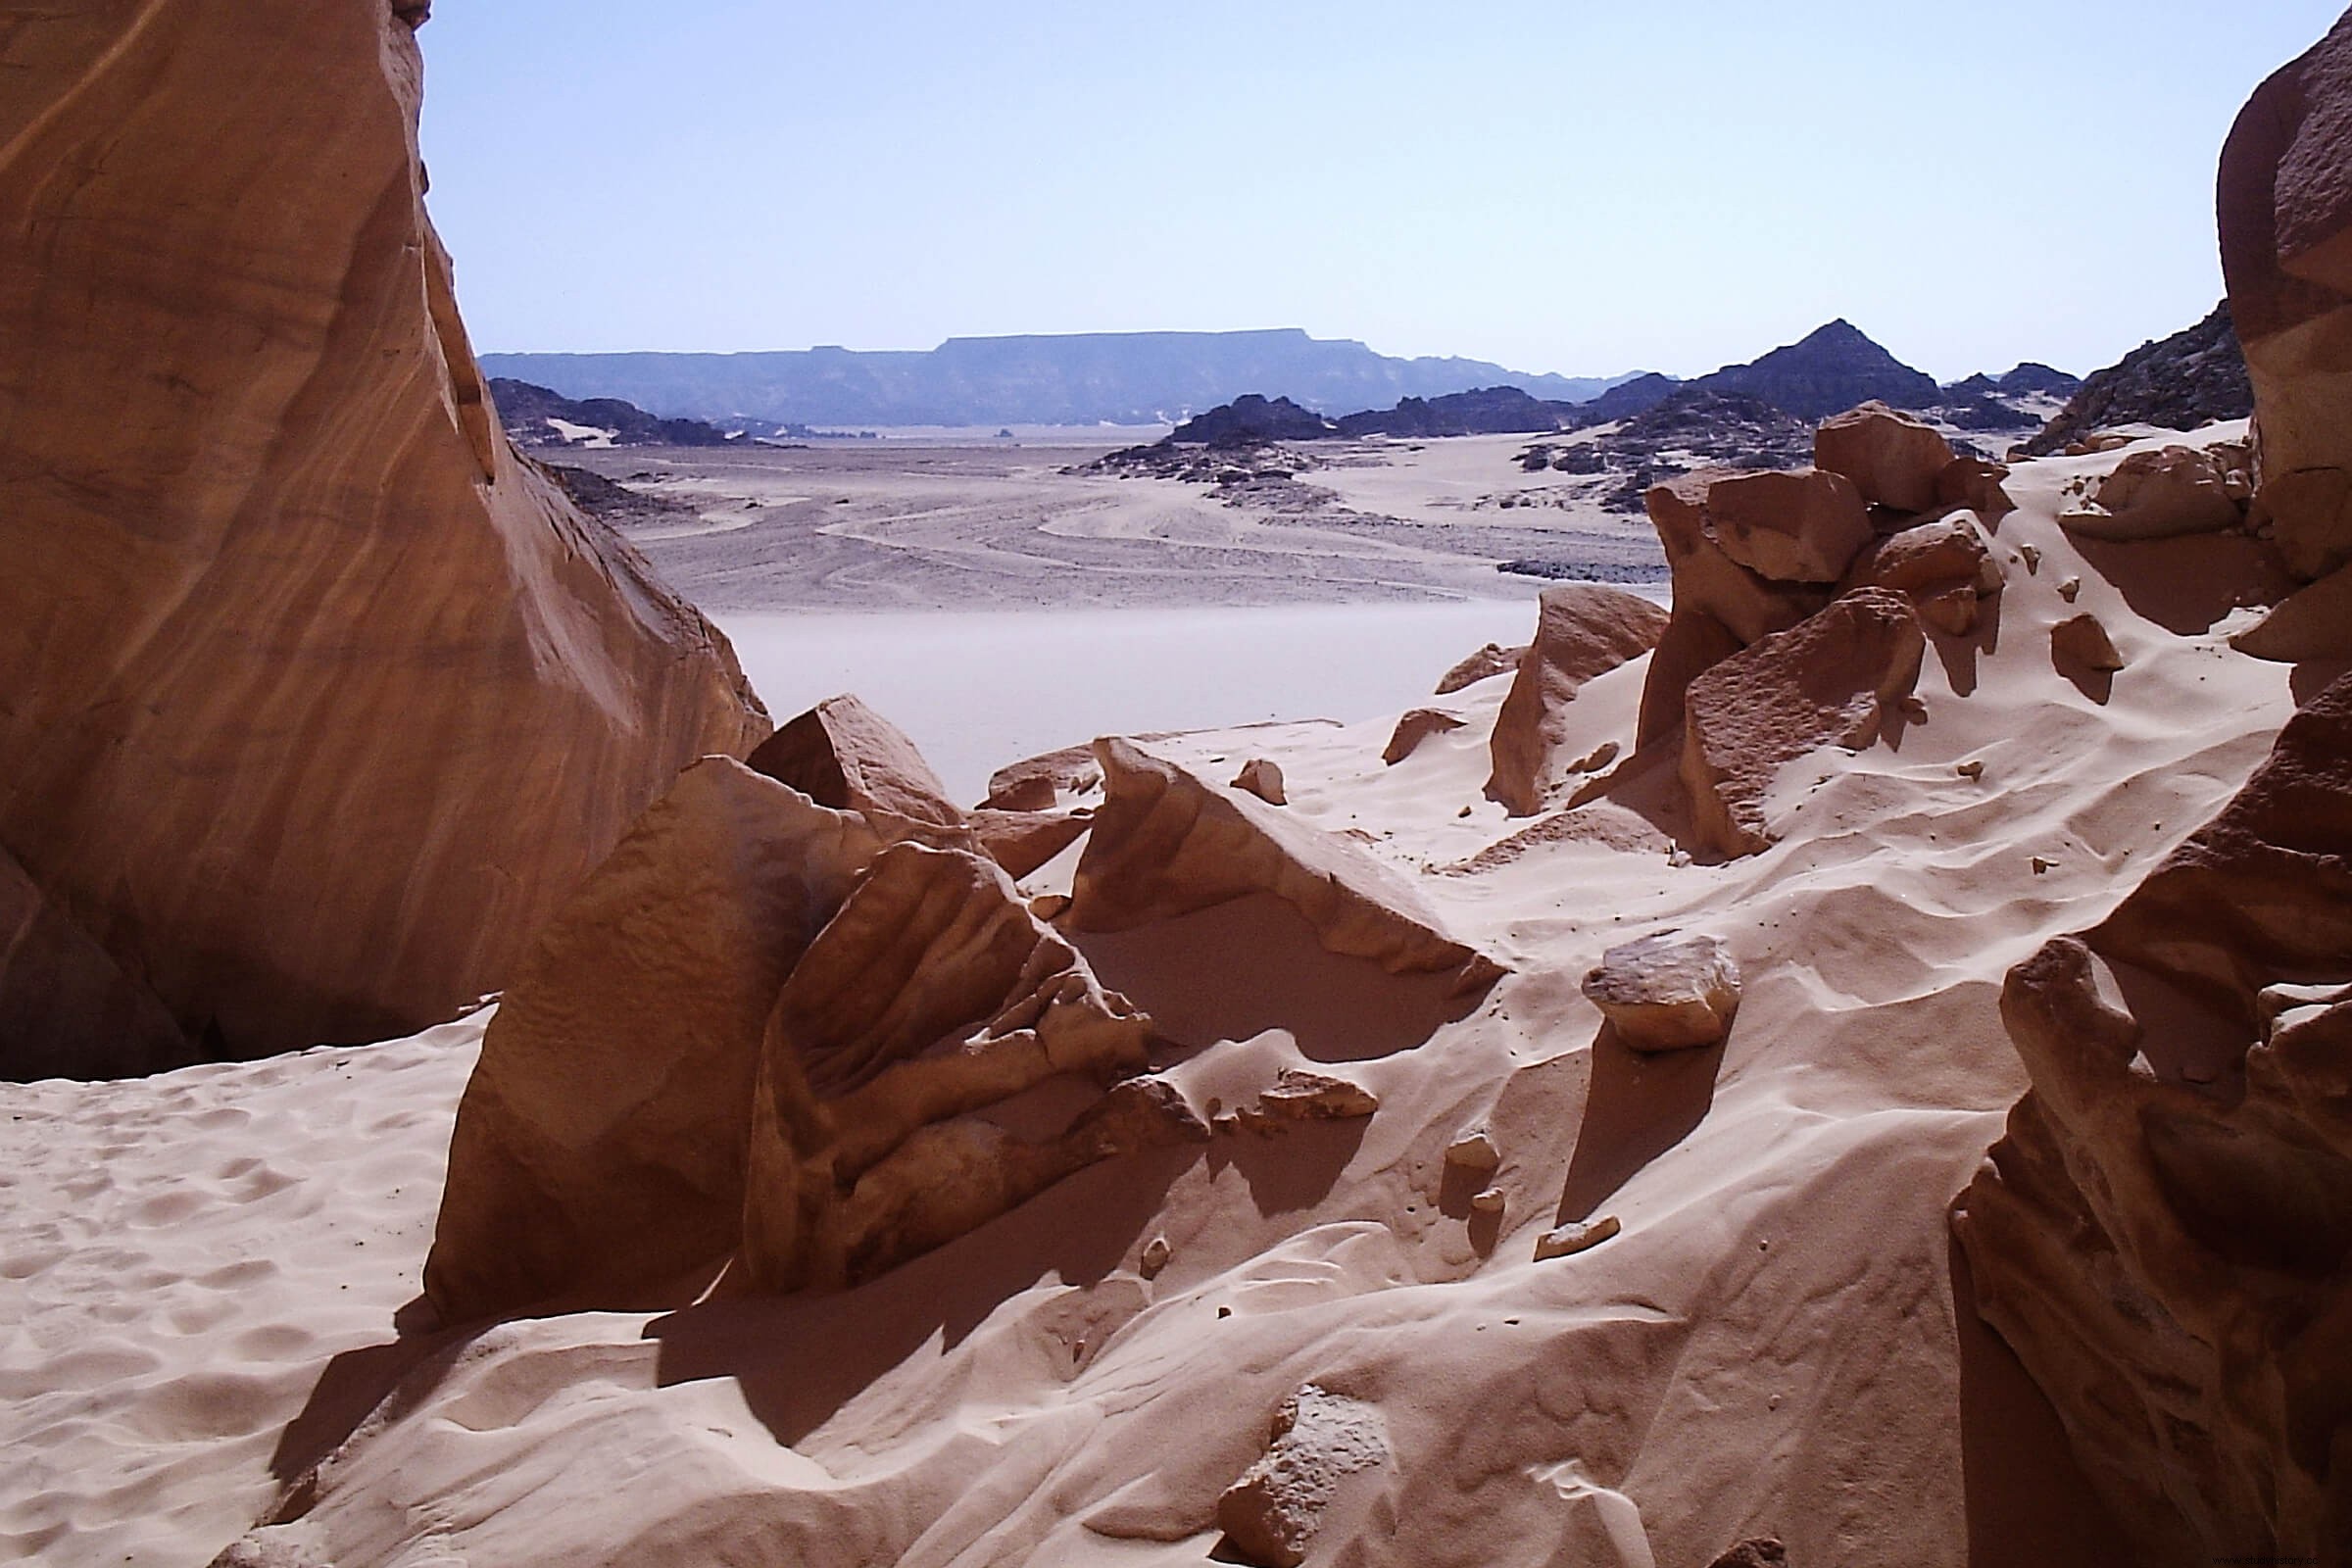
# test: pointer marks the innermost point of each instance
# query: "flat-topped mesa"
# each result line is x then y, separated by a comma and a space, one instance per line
321, 700
1168, 842
1582, 631
2286, 252
2165, 1234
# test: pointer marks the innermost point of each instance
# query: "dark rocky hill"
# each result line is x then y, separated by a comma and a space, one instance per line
1829, 371
1488, 411
2188, 380
533, 416
1251, 419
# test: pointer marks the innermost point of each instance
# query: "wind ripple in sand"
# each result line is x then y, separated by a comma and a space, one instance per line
180, 1259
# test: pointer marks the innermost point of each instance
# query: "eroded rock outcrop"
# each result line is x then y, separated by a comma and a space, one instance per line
931, 994
1582, 630
1895, 459
320, 699
2286, 252
1167, 843
1802, 526
2165, 1235
1826, 682
2163, 493
843, 755
600, 1146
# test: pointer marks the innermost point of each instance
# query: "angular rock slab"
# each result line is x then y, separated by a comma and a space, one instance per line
2165, 1234
1945, 569
1167, 843
933, 993
1802, 526
1895, 459
1667, 991
1827, 682
321, 700
1582, 630
1412, 729
601, 1142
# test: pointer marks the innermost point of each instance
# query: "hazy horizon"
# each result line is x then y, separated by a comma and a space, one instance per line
1551, 190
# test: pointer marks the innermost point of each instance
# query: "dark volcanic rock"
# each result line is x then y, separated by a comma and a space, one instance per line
2031, 377
1251, 419
1834, 368
1488, 411
1627, 398
529, 412
2189, 380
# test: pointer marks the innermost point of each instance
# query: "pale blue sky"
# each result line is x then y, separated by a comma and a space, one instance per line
1558, 186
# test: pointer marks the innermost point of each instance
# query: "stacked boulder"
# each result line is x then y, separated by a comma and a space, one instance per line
2286, 251
1797, 602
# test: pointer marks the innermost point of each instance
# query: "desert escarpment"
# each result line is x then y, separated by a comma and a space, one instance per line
320, 699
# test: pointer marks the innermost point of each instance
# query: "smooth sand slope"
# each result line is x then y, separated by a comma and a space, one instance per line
1774, 1345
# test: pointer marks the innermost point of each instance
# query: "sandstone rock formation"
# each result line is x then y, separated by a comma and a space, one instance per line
1489, 661
1827, 682
1801, 525
1166, 843
932, 994
1270, 1516
1667, 991
1895, 459
1296, 1095
601, 1142
1038, 783
842, 753
1945, 569
2164, 1235
1581, 630
66, 1008
2163, 493
2286, 252
1412, 729
320, 699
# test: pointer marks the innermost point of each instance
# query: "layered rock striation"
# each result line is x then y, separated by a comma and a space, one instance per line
319, 700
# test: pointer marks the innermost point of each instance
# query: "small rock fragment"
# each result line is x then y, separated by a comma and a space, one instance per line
1489, 1201
1667, 991
2042, 868
1157, 1253
1414, 728
1598, 758
1489, 661
2071, 589
1050, 907
1971, 770
1474, 1153
2031, 555
1569, 1240
1262, 779
1300, 1096
1271, 1514
2082, 643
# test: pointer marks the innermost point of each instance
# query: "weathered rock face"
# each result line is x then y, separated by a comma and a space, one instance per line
600, 1143
67, 1009
932, 994
1271, 1515
1667, 991
2286, 251
1827, 682
1802, 526
842, 753
320, 700
1581, 630
1895, 459
2165, 1235
2163, 493
1167, 843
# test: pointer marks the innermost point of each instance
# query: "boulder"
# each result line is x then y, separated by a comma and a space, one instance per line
2286, 253
1271, 1514
1695, 643
1667, 991
1262, 779
2081, 643
1489, 661
1827, 682
2164, 1236
1978, 485
1945, 569
843, 755
1300, 1096
2315, 623
1581, 630
1895, 459
320, 699
1414, 728
1166, 843
1038, 783
932, 994
1801, 525
2163, 493
66, 1008
600, 1145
